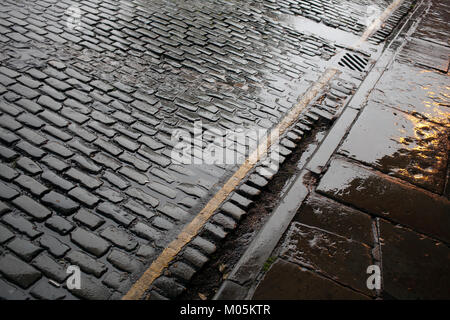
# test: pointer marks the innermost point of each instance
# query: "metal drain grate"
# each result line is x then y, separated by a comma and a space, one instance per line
354, 62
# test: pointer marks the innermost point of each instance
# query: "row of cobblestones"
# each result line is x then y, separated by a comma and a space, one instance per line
86, 116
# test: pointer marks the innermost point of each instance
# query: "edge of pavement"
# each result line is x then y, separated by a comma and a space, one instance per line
242, 280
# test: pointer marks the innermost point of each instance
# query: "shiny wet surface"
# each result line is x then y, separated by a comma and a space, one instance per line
88, 112
385, 189
400, 145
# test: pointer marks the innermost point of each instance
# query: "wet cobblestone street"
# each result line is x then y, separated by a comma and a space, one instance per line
92, 92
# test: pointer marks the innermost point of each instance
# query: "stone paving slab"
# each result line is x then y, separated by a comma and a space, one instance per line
323, 213
87, 111
340, 259
387, 197
414, 266
288, 281
400, 145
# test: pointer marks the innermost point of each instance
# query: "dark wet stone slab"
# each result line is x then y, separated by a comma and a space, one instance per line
414, 266
9, 292
400, 145
52, 269
417, 91
387, 197
338, 258
91, 290
331, 216
424, 53
45, 291
24, 248
86, 263
288, 281
435, 24
18, 271
60, 203
90, 242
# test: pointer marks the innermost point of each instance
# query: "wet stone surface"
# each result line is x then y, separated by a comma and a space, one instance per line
414, 266
103, 97
407, 147
340, 259
323, 213
386, 197
286, 280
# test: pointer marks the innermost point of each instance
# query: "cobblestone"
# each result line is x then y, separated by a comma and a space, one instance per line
23, 248
86, 263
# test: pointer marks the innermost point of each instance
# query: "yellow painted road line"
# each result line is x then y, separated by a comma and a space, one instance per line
156, 269
138, 290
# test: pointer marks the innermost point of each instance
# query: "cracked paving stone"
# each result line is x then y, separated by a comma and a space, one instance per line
54, 163
174, 212
162, 223
162, 189
145, 251
134, 175
4, 208
90, 242
18, 271
7, 136
57, 181
109, 194
116, 180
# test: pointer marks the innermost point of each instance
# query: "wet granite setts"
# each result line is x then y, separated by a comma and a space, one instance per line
86, 117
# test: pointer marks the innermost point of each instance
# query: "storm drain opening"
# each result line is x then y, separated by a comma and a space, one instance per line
354, 62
